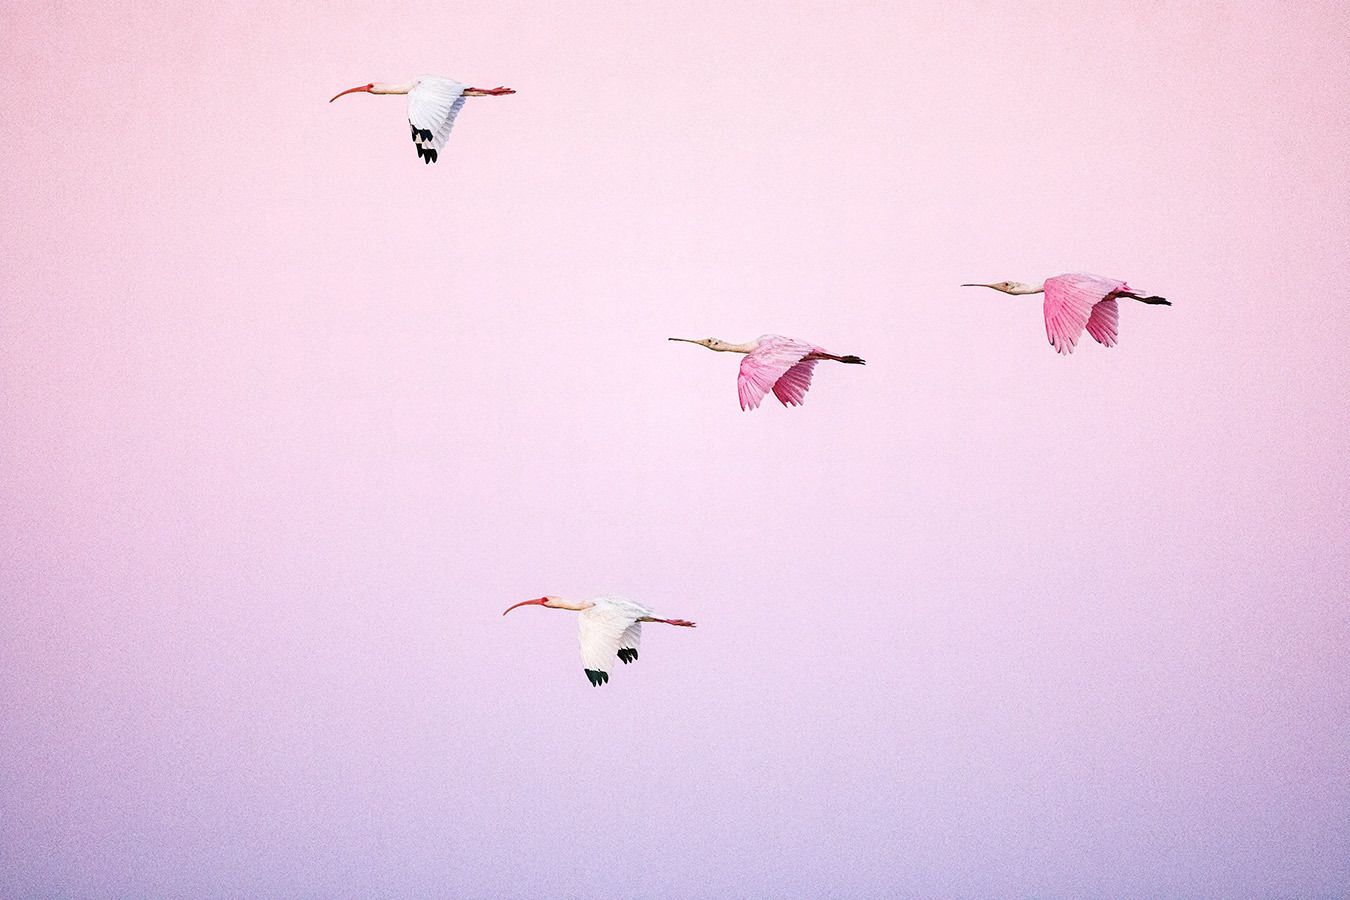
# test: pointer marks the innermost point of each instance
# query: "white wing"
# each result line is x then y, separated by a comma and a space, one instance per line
432, 107
628, 644
604, 628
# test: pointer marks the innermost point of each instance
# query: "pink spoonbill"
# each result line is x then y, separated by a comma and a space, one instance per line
1075, 302
611, 627
772, 361
433, 103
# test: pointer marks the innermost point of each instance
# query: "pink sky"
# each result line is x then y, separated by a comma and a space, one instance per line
288, 418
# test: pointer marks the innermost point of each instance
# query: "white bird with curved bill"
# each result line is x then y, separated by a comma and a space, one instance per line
611, 628
433, 103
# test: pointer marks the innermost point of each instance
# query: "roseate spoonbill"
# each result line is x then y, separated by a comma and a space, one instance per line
433, 103
772, 361
1075, 302
610, 627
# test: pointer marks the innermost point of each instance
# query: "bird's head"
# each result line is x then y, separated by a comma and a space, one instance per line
379, 87
550, 602
710, 343
537, 601
1007, 287
360, 88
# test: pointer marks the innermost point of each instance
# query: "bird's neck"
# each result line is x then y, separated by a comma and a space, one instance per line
378, 88
559, 603
1027, 289
736, 348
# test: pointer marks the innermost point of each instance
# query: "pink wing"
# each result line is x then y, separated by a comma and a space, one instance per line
792, 387
1069, 300
1103, 322
774, 356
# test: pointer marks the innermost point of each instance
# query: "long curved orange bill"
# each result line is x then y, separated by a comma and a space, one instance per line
539, 601
363, 87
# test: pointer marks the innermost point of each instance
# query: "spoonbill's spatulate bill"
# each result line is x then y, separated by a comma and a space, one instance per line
1075, 302
611, 628
433, 103
773, 362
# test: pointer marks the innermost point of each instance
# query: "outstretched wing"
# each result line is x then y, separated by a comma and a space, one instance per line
432, 107
604, 628
773, 357
628, 644
1103, 322
1069, 300
792, 387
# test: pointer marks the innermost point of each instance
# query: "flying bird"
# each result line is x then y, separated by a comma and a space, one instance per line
433, 103
772, 361
1075, 302
611, 628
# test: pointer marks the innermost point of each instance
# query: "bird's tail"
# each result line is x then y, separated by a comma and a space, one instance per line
1152, 301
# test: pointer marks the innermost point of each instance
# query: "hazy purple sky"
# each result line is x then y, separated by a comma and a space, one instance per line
288, 418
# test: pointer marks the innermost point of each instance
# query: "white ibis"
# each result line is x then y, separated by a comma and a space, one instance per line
611, 627
433, 103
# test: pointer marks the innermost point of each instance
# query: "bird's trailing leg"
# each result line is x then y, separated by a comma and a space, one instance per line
683, 623
850, 359
1152, 301
488, 92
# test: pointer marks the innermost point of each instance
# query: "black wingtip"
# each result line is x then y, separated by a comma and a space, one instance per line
597, 677
627, 655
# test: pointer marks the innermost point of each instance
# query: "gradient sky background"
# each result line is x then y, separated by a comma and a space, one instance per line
289, 418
